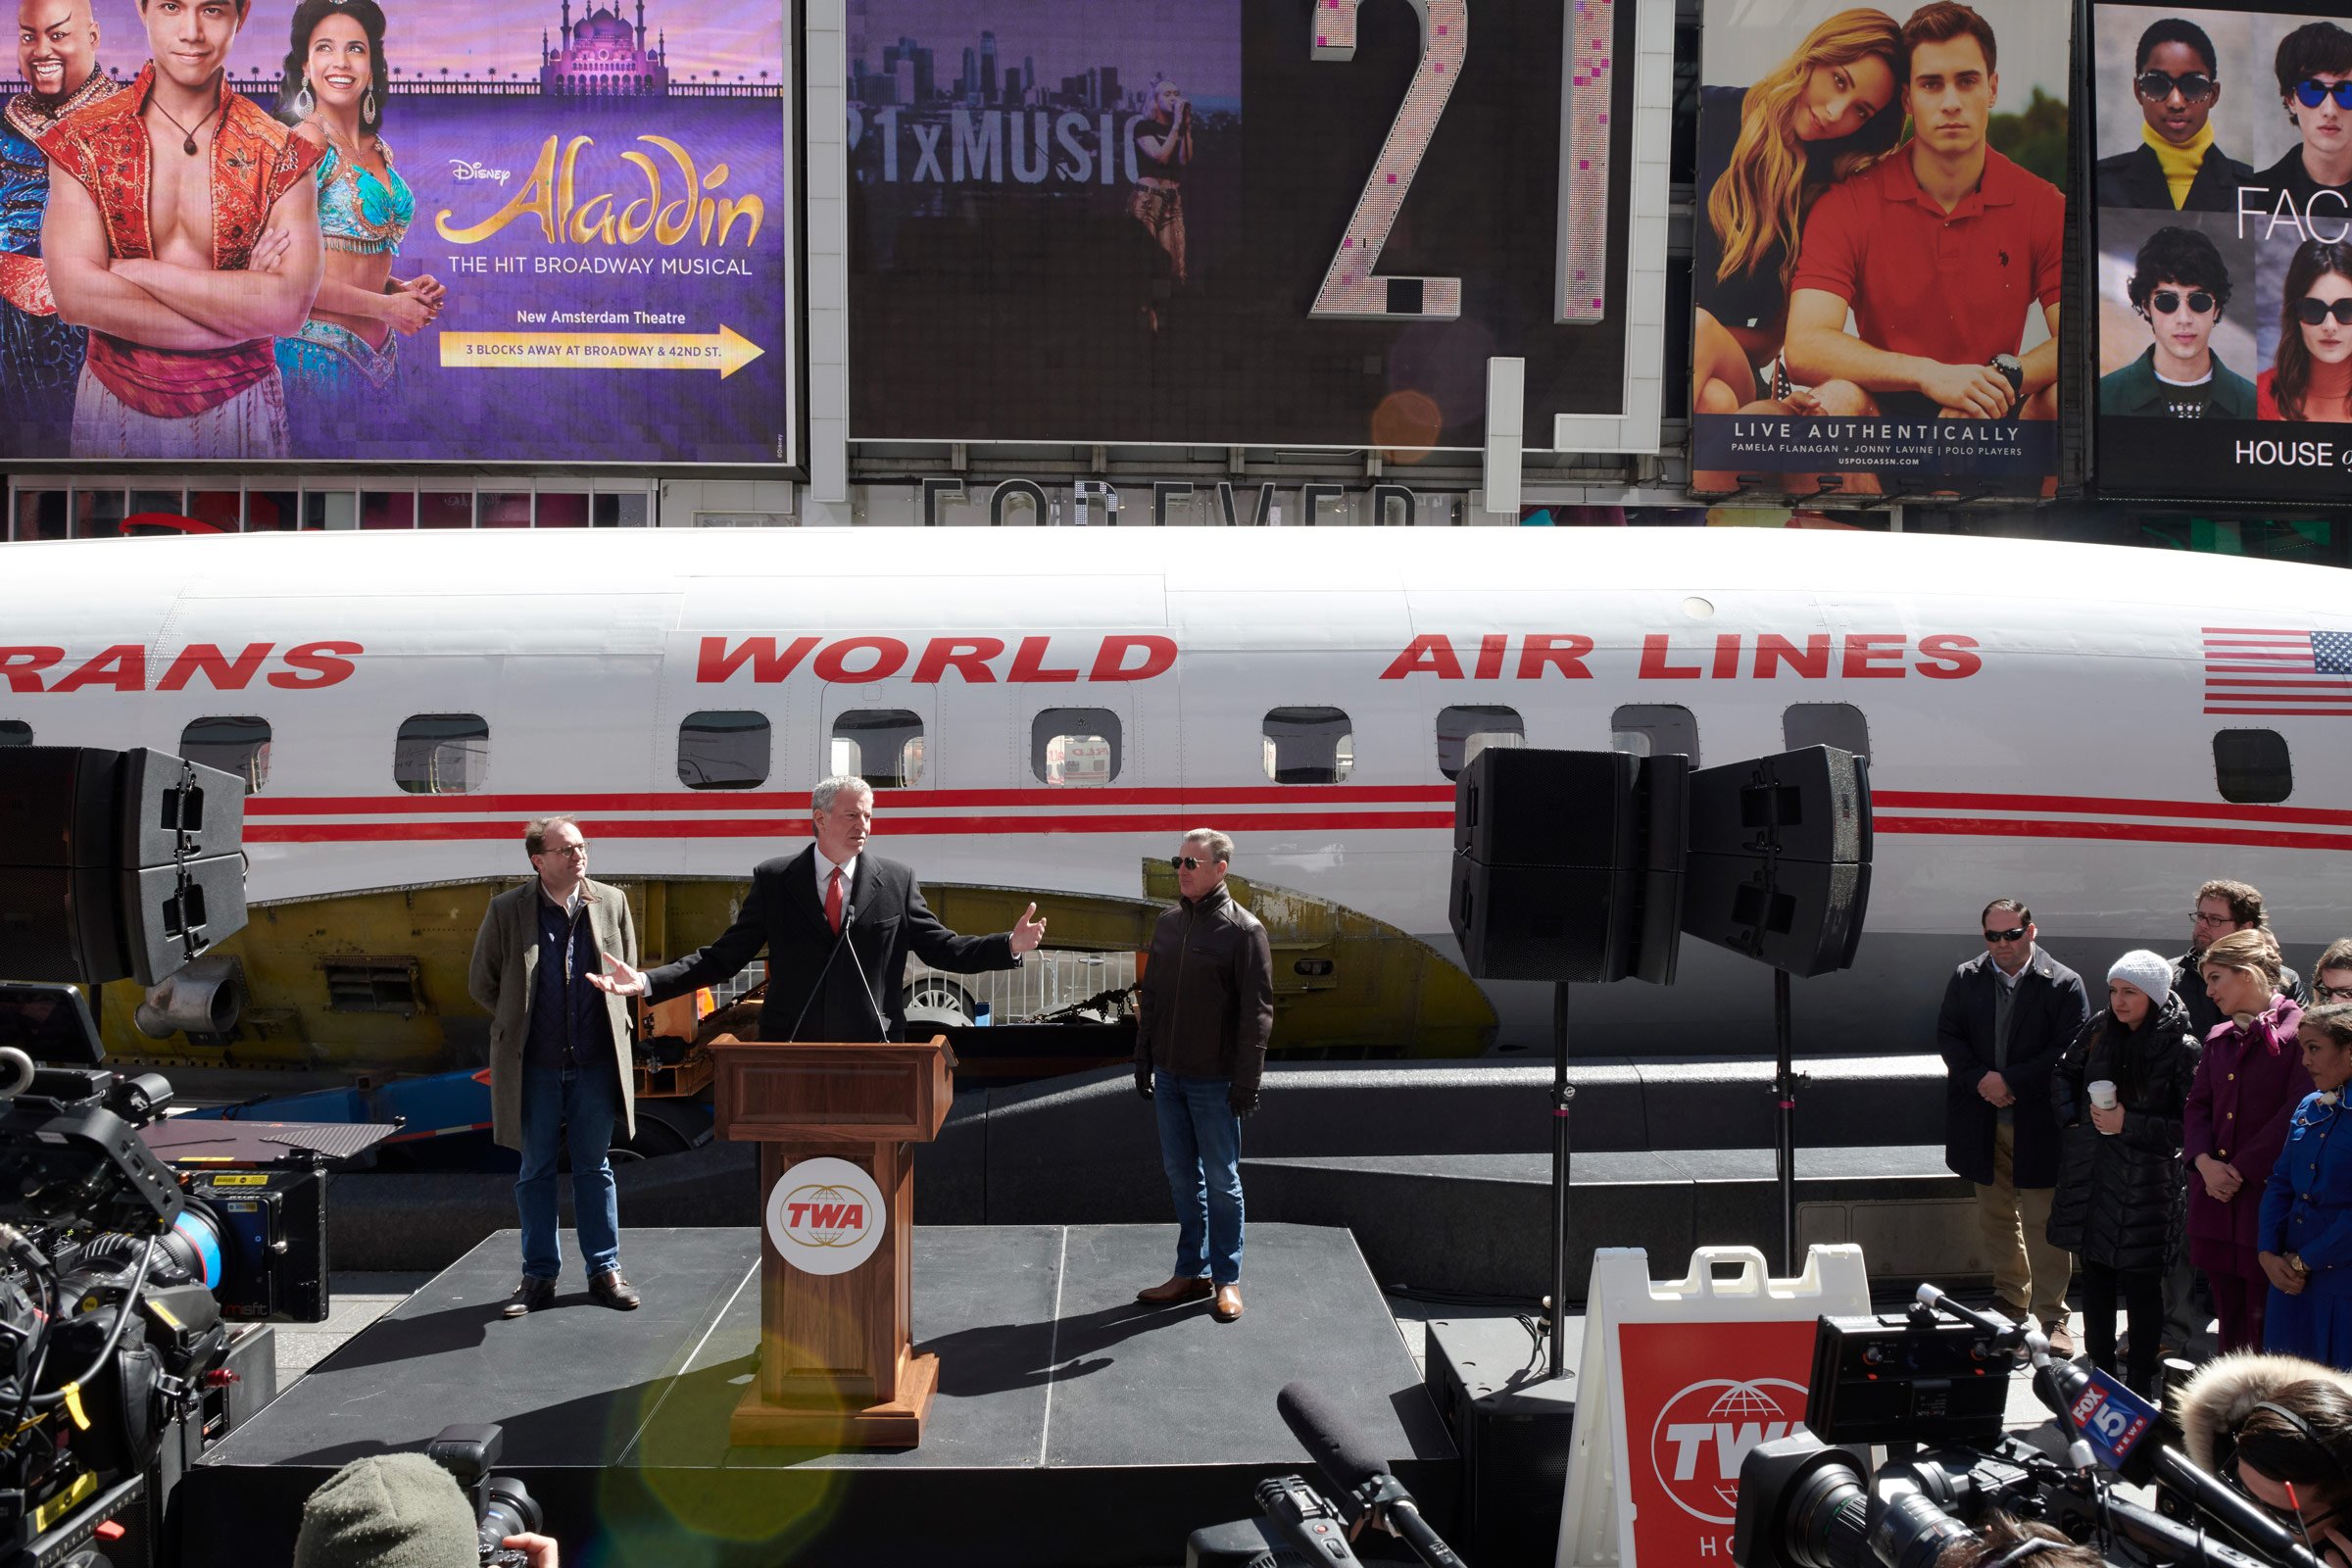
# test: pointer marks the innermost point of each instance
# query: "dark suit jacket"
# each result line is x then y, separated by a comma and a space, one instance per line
887, 920
2050, 1011
2137, 180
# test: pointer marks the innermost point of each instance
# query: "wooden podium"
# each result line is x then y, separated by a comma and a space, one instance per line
836, 1367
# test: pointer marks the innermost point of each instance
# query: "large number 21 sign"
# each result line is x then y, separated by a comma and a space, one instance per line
1351, 288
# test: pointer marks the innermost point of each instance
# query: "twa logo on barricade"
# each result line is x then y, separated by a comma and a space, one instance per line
1702, 1436
825, 1216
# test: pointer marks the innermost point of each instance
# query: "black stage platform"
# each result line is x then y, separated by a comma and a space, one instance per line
1073, 1426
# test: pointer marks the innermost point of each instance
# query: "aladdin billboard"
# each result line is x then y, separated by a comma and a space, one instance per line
2223, 248
1304, 223
1878, 247
416, 231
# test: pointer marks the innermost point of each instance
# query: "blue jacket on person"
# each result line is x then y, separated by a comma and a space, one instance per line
2307, 1204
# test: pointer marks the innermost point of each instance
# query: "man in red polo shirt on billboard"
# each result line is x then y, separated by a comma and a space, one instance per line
1939, 250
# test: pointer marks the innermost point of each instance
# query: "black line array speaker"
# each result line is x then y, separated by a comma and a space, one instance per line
115, 863
1778, 865
1568, 864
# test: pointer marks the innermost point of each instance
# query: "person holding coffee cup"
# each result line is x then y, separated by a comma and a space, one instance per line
2119, 1094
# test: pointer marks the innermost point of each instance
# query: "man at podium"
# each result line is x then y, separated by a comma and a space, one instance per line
838, 924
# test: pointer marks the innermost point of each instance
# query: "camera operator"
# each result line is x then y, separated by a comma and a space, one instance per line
2279, 1429
398, 1510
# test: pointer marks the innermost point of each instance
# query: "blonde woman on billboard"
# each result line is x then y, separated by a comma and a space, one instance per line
1164, 145
335, 84
1825, 112
2311, 375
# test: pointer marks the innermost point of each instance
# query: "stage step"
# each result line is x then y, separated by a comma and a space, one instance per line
1074, 1428
1482, 1223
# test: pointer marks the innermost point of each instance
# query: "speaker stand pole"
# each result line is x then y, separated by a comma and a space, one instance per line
1784, 1091
1561, 1093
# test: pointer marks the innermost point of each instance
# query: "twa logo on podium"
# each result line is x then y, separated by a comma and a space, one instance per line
826, 1216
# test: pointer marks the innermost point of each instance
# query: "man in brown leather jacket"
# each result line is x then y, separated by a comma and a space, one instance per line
1206, 1006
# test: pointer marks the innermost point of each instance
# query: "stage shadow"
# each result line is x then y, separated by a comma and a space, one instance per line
1001, 1357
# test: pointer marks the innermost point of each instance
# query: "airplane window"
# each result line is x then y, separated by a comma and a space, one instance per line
1465, 732
883, 746
240, 746
723, 750
1309, 745
1648, 729
2252, 766
15, 732
1838, 724
1076, 746
441, 754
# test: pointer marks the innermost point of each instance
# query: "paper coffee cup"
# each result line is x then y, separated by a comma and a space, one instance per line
2102, 1094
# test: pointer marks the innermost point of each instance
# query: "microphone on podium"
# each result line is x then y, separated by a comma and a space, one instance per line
1358, 1474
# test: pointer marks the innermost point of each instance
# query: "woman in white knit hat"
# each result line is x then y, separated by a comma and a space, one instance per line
2119, 1094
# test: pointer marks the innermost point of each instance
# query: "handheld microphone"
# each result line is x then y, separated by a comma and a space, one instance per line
2037, 1348
1357, 1474
2124, 1429
841, 937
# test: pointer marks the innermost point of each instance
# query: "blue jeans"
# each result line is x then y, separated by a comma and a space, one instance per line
1200, 1147
579, 1107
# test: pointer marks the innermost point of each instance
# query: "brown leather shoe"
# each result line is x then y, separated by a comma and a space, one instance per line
1180, 1287
1229, 1302
531, 1295
2062, 1342
613, 1290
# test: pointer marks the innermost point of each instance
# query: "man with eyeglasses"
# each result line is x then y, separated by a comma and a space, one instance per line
1205, 1012
2223, 906
2008, 1015
2314, 66
2180, 288
2331, 976
561, 1069
2176, 81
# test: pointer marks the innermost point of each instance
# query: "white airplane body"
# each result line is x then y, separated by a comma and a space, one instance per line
2042, 718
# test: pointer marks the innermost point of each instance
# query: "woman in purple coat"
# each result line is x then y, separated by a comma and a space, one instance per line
2248, 1083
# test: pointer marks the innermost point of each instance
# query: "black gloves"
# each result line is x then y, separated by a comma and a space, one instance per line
1142, 1080
1242, 1098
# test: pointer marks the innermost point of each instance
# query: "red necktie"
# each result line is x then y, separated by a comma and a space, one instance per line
833, 902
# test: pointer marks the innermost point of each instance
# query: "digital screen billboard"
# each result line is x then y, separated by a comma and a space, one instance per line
426, 230
1265, 222
1878, 247
2222, 240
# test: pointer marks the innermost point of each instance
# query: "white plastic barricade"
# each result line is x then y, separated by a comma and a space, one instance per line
1679, 1379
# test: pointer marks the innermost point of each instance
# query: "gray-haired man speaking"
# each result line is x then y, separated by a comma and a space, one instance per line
807, 909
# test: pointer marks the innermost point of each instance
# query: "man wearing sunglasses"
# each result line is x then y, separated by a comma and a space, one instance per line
2176, 81
2315, 87
2179, 287
1205, 1012
2008, 1015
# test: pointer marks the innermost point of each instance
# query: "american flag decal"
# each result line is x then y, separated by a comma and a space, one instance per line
2277, 672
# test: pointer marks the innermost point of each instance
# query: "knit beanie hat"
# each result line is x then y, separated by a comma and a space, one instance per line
2151, 973
388, 1510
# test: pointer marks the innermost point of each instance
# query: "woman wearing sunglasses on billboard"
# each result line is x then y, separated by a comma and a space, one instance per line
2176, 82
1765, 152
2311, 373
2315, 83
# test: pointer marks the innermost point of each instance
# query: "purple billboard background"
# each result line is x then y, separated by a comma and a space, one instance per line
468, 104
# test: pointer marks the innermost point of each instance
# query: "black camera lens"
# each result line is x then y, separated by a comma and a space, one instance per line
508, 1509
1826, 1519
1913, 1530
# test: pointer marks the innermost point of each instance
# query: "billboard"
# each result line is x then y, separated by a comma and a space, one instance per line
1876, 247
2222, 245
1265, 222
431, 230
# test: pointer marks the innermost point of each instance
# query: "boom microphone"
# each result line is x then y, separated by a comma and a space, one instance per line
841, 939
1358, 1475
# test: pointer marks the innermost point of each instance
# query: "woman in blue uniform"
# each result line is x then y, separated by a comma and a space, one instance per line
344, 357
2307, 1208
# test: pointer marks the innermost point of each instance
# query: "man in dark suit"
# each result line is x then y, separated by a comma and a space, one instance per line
2176, 81
838, 924
2008, 1015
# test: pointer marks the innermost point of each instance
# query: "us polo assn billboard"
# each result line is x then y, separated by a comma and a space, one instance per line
415, 230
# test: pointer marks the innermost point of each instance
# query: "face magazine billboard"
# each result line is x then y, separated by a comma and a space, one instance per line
420, 231
2222, 246
1878, 247
1306, 224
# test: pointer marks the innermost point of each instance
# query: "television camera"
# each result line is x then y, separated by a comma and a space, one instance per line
1931, 1385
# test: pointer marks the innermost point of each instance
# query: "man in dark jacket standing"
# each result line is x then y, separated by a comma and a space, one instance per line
2223, 906
2007, 1016
1205, 1012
